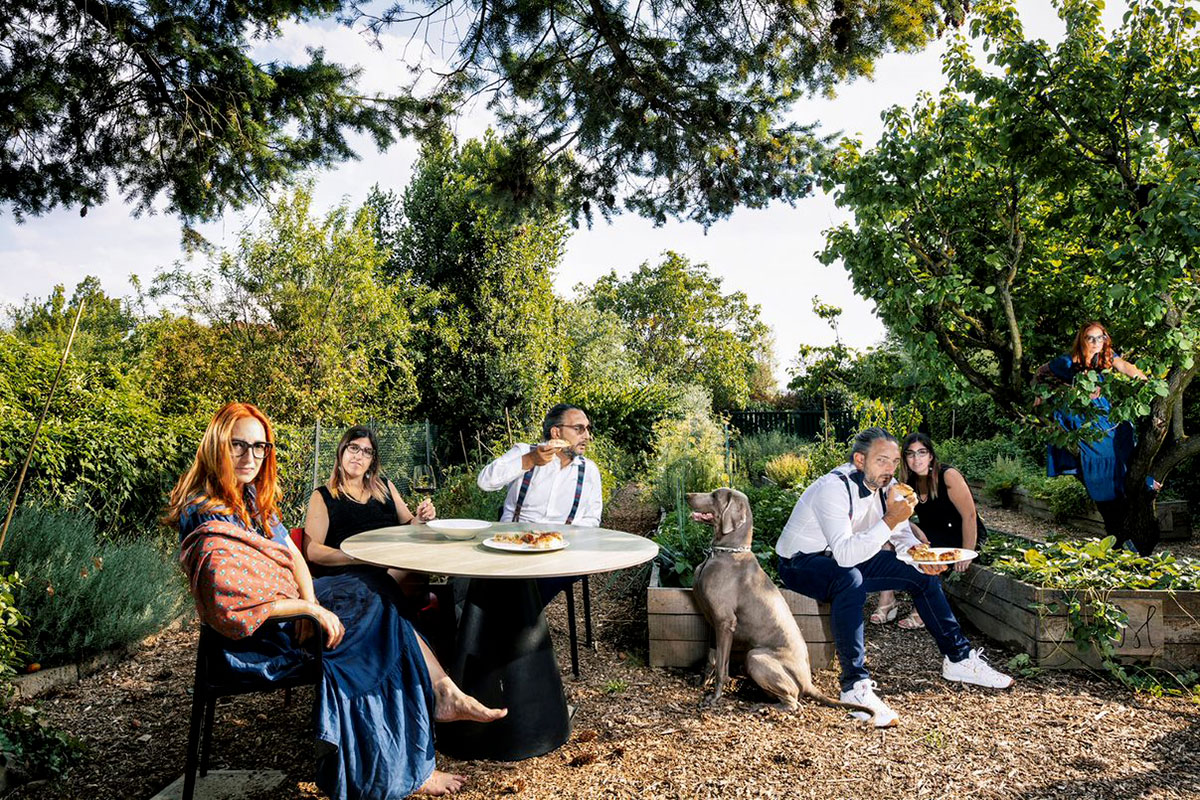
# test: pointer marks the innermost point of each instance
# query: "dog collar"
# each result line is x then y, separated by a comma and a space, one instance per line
745, 549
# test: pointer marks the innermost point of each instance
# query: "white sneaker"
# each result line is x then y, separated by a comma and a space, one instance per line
973, 669
863, 693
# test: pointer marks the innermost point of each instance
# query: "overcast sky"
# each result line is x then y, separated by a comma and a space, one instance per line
768, 254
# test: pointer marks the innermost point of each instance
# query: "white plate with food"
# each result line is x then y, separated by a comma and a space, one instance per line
921, 556
526, 542
458, 528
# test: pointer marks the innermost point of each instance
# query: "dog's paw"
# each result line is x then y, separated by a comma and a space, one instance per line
709, 701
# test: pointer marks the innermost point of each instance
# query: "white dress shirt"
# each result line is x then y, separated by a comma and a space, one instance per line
551, 490
851, 527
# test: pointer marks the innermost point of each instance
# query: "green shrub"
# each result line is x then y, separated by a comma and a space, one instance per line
12, 651
690, 451
105, 446
826, 453
627, 417
1004, 476
82, 596
754, 451
1067, 497
615, 465
975, 459
32, 750
789, 470
459, 495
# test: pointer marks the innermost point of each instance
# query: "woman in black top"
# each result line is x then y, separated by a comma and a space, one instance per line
945, 512
356, 499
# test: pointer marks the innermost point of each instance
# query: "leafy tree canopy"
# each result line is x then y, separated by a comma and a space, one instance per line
662, 108
1053, 187
162, 99
486, 343
297, 319
686, 330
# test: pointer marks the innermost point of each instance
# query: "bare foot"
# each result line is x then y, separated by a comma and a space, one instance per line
450, 704
441, 783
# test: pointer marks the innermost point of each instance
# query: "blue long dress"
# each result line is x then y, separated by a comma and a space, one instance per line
373, 716
1101, 464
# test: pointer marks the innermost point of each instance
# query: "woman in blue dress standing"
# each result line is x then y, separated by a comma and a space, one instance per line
381, 688
1101, 463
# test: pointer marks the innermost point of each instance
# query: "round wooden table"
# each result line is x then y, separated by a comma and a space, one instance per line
503, 654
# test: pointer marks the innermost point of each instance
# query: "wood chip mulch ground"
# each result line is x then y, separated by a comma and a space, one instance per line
640, 733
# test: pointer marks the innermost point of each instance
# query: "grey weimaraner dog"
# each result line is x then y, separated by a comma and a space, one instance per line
740, 602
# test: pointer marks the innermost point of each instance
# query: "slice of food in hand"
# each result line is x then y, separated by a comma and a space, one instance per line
556, 444
902, 492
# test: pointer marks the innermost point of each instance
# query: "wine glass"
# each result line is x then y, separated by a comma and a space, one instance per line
424, 481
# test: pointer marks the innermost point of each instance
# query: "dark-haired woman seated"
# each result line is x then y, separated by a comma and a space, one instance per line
381, 689
945, 515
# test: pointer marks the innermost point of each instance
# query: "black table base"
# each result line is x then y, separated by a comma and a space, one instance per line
504, 658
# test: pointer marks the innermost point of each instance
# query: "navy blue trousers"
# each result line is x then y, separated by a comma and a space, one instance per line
845, 588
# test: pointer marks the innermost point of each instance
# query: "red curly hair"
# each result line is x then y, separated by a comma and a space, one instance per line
1103, 359
210, 480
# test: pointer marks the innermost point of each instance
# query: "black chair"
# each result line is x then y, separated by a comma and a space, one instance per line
209, 686
587, 621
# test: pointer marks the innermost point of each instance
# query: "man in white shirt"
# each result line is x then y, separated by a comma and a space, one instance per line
831, 550
547, 483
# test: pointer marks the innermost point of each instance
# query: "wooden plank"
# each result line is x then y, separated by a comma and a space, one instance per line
670, 601
694, 655
695, 628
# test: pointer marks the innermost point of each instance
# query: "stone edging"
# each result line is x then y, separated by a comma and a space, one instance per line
42, 681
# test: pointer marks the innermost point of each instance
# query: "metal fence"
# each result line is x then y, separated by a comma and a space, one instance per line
310, 453
806, 424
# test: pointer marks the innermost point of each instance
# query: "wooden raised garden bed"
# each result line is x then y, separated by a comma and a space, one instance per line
1164, 627
681, 637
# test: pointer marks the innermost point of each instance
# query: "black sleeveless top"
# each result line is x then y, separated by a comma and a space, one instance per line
348, 517
940, 520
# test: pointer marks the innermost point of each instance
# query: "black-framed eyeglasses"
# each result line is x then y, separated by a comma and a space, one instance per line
1100, 339
579, 429
258, 449
916, 453
355, 450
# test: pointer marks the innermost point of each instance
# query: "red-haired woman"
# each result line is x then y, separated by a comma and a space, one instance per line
1101, 463
382, 687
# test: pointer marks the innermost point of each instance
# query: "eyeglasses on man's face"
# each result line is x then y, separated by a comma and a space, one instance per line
580, 429
355, 450
258, 449
922, 453
1097, 339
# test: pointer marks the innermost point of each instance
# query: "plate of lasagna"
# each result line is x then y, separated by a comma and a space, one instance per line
526, 542
923, 554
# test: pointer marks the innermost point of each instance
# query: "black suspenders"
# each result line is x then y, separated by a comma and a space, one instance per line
525, 489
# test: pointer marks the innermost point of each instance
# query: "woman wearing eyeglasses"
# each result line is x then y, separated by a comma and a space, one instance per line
945, 515
381, 687
1101, 463
356, 498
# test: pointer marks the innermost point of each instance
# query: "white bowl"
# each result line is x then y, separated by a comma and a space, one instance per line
458, 528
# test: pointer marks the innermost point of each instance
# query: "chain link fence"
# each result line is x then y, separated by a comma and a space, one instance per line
310, 453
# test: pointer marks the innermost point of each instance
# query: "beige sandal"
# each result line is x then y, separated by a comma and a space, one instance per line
912, 622
885, 613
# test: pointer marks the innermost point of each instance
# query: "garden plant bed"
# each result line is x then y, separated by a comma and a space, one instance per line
681, 637
1164, 626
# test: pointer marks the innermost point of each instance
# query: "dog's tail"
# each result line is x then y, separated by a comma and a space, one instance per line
813, 693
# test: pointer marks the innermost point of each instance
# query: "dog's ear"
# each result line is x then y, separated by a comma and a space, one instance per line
734, 513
